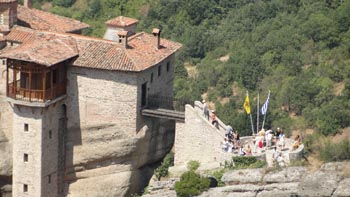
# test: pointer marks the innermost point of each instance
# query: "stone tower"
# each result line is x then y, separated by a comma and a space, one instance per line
8, 15
37, 94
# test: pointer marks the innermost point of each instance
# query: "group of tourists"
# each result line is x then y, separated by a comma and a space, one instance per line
232, 142
263, 139
270, 137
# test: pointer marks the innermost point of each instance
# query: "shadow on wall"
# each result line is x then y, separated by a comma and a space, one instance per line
158, 140
70, 132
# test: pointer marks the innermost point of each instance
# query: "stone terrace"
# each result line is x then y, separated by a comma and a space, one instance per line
197, 139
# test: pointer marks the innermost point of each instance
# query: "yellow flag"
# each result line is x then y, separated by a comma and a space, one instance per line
246, 105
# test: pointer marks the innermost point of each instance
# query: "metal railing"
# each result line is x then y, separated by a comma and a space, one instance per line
157, 101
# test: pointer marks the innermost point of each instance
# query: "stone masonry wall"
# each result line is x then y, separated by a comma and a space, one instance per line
50, 139
40, 143
101, 97
160, 85
27, 142
197, 139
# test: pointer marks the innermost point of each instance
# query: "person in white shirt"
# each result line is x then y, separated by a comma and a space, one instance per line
268, 138
280, 160
224, 145
230, 146
242, 151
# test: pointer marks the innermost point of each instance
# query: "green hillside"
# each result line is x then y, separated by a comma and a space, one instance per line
298, 49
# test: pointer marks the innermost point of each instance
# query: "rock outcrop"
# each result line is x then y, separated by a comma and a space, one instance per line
5, 143
102, 160
111, 162
332, 179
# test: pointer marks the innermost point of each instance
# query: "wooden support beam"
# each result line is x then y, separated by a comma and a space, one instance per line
51, 84
14, 82
44, 85
30, 86
7, 80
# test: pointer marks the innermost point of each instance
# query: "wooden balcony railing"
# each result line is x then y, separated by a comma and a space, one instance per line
30, 95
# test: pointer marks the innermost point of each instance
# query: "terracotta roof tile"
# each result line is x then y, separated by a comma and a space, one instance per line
122, 21
92, 52
40, 20
144, 52
21, 36
44, 52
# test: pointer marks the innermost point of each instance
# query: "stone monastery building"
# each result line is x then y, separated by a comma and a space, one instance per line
57, 82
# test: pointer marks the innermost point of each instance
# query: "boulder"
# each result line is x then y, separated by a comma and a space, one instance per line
343, 188
224, 192
318, 184
243, 176
286, 175
276, 193
241, 188
107, 185
341, 169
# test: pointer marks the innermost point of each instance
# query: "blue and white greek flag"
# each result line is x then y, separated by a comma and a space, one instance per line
264, 107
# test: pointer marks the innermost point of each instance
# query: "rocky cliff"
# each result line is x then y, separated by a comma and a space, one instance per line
111, 162
5, 144
100, 160
332, 179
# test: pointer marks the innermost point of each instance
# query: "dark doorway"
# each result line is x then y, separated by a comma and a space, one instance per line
144, 95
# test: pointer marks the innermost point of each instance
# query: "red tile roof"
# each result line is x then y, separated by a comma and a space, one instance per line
40, 20
21, 36
45, 52
91, 52
122, 21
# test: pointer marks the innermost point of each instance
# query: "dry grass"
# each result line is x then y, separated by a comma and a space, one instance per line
338, 88
314, 162
191, 70
224, 58
345, 134
46, 6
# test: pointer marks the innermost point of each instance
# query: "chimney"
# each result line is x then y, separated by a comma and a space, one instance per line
123, 38
27, 3
156, 34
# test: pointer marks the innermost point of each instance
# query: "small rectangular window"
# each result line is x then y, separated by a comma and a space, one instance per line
167, 66
159, 70
50, 134
25, 157
151, 77
25, 188
4, 62
1, 19
49, 179
26, 127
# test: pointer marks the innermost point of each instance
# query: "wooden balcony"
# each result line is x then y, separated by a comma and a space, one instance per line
29, 83
29, 95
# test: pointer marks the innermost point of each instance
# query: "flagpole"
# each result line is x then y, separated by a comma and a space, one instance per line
257, 114
268, 96
251, 119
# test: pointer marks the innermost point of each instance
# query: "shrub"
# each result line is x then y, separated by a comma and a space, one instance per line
162, 170
310, 145
335, 152
193, 165
218, 175
243, 162
190, 184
